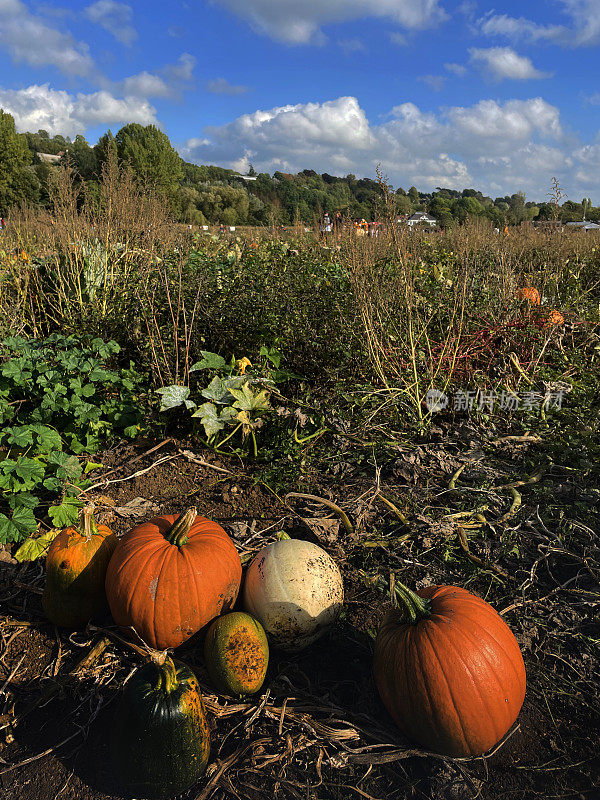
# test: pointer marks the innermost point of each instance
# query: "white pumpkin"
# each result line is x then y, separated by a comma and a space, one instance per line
295, 590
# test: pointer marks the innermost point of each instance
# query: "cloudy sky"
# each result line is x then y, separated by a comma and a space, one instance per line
459, 94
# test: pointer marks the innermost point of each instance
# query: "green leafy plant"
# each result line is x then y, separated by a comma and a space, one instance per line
58, 401
236, 398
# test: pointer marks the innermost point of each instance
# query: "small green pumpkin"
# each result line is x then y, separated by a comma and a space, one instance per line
160, 741
236, 653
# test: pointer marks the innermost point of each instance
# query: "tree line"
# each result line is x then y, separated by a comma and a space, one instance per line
207, 194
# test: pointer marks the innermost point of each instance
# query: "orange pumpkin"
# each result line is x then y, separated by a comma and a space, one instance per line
76, 567
449, 670
555, 318
530, 294
171, 576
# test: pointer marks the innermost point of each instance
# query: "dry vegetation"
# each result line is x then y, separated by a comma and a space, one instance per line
502, 502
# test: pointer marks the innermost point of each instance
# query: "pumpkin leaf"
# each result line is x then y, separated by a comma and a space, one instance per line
212, 421
173, 396
216, 391
209, 361
246, 400
32, 549
236, 382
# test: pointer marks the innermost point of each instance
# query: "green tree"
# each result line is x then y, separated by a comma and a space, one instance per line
104, 149
17, 181
403, 204
149, 153
82, 158
413, 193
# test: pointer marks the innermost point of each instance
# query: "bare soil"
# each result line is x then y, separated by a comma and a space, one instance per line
317, 728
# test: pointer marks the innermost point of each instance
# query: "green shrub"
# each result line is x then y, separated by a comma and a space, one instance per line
58, 400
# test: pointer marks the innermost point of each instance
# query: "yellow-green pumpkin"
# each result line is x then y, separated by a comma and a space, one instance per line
76, 567
236, 653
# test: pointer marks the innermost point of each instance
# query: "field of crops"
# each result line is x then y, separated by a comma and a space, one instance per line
421, 406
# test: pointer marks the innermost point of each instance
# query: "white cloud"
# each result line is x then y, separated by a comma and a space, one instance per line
435, 82
456, 69
351, 46
222, 86
514, 145
518, 28
503, 62
183, 70
168, 82
583, 28
490, 125
145, 84
587, 161
300, 21
115, 18
69, 114
31, 39
398, 38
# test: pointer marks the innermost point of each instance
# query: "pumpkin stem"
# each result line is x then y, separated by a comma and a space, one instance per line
412, 607
167, 676
87, 523
179, 530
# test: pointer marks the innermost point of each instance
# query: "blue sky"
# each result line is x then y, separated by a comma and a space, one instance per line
460, 94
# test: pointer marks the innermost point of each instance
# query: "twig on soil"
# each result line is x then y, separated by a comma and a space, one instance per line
222, 766
138, 458
39, 755
535, 478
455, 477
392, 507
12, 674
514, 506
527, 438
129, 477
464, 543
88, 660
335, 508
152, 450
27, 587
196, 460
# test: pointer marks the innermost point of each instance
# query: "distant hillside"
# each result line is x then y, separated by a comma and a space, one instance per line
200, 194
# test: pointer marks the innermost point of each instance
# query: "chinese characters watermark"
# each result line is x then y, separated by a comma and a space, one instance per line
479, 400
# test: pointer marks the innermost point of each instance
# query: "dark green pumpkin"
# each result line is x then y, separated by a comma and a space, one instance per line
160, 739
236, 653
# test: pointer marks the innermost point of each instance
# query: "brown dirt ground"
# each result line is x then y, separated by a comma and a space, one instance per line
60, 748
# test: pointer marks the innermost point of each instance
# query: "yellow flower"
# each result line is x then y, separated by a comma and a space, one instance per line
242, 364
